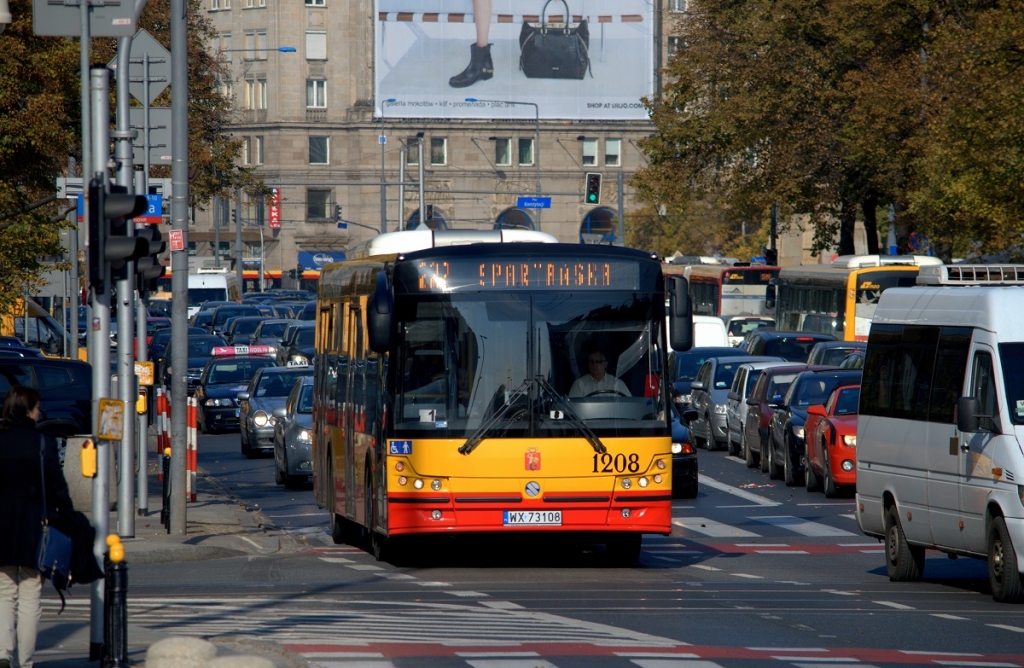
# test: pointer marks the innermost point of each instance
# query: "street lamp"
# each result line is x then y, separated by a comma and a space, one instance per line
536, 141
382, 140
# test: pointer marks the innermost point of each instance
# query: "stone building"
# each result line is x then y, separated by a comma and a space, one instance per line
306, 84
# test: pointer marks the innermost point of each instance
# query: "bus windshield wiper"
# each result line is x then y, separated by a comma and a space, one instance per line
572, 416
477, 436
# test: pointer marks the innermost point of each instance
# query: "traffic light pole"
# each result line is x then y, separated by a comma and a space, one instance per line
238, 240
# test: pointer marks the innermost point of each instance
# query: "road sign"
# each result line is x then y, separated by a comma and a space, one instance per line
154, 211
63, 18
111, 427
176, 239
144, 44
159, 134
533, 203
144, 370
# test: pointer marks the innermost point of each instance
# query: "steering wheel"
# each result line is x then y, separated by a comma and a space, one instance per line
594, 394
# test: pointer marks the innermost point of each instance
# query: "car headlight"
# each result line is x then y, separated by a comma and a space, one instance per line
260, 419
720, 409
799, 431
219, 402
677, 448
305, 436
850, 440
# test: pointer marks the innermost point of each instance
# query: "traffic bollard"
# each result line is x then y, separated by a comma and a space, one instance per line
165, 510
115, 613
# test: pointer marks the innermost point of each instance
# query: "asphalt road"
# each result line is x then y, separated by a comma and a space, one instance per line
755, 573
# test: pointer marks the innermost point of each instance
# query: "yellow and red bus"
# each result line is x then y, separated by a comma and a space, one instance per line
840, 298
444, 397
726, 290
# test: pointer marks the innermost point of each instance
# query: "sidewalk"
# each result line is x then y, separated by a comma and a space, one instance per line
218, 527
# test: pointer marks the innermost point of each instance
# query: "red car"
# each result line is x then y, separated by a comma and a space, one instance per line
831, 442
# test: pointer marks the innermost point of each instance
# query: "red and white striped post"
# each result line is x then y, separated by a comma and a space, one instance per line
190, 445
161, 422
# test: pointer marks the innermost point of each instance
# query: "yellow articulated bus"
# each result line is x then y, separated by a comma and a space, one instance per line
463, 386
840, 298
35, 328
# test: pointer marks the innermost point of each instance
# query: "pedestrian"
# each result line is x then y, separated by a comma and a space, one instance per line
21, 515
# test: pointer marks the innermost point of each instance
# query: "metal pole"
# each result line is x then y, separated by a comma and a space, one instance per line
383, 140
536, 152
216, 231
125, 307
75, 289
401, 186
142, 441
622, 237
263, 259
238, 239
99, 356
423, 209
145, 124
179, 262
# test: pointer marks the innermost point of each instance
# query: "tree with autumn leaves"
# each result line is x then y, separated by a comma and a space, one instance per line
836, 109
40, 128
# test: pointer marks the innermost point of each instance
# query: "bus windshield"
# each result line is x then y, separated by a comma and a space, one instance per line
518, 364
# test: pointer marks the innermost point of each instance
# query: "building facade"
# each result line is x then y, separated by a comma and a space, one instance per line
317, 84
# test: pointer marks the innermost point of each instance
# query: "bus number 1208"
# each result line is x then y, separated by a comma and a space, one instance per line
620, 463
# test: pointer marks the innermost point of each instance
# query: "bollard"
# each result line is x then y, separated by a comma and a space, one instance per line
191, 439
165, 509
115, 612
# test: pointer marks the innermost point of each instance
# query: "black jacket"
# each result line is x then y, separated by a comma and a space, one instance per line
21, 498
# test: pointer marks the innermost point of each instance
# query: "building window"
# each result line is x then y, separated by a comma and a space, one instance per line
314, 3
316, 45
262, 3
503, 151
214, 5
525, 151
318, 204
246, 151
412, 153
589, 152
225, 46
256, 94
319, 151
225, 4
316, 94
248, 4
257, 150
613, 152
673, 45
678, 5
256, 45
227, 89
438, 150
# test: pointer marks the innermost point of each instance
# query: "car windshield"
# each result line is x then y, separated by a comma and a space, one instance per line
245, 326
221, 315
790, 348
306, 337
272, 330
305, 400
204, 347
724, 374
810, 390
779, 384
1012, 356
161, 336
153, 326
202, 318
235, 371
277, 384
847, 401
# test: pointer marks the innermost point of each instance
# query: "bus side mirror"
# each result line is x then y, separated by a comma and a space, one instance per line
680, 335
379, 315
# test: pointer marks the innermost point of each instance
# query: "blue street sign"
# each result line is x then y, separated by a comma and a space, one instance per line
533, 203
343, 226
81, 209
154, 212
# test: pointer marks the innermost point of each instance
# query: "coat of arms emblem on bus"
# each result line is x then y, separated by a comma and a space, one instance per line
532, 460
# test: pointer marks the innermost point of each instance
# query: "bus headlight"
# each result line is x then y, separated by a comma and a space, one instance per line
850, 440
304, 436
260, 419
417, 483
642, 482
626, 483
677, 448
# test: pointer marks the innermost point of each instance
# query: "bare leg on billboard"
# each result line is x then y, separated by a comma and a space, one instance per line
480, 65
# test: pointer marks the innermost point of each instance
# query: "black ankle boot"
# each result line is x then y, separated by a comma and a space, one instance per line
480, 67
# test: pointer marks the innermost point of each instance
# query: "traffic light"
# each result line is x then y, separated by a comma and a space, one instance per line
592, 188
121, 246
337, 213
148, 268
291, 274
298, 271
234, 216
771, 257
430, 213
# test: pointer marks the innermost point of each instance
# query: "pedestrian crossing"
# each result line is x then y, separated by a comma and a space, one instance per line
761, 526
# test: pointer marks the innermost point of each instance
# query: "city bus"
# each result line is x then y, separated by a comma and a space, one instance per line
726, 291
443, 390
840, 298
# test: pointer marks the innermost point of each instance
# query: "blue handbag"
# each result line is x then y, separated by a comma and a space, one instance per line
53, 555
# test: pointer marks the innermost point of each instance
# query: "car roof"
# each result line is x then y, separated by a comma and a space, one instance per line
305, 370
715, 351
859, 345
781, 334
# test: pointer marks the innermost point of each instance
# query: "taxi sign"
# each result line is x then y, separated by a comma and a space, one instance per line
229, 351
144, 370
302, 362
111, 424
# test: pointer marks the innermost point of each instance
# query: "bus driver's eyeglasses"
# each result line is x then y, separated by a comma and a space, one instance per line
595, 361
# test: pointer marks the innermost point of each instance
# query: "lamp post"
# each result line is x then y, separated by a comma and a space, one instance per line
382, 140
536, 133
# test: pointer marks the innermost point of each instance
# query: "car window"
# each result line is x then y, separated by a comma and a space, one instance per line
235, 371
847, 401
778, 385
272, 329
809, 391
833, 356
724, 374
738, 380
687, 366
306, 400
203, 347
245, 326
50, 377
277, 384
789, 349
306, 337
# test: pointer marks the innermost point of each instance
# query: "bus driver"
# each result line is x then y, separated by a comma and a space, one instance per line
598, 380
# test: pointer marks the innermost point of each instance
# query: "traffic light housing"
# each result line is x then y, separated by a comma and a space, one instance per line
337, 213
148, 268
121, 246
291, 274
592, 188
771, 257
430, 213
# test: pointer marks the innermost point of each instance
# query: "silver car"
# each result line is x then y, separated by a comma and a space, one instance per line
293, 439
709, 394
268, 389
736, 407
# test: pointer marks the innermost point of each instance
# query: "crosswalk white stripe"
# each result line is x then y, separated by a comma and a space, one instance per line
736, 491
511, 663
675, 663
802, 526
712, 528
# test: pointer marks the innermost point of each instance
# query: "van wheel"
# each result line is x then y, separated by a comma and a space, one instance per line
1003, 576
748, 455
811, 483
831, 489
904, 562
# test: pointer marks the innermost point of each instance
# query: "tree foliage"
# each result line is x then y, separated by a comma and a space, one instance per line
835, 107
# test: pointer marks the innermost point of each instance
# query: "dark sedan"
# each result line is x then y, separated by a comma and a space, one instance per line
217, 392
162, 338
200, 350
684, 456
786, 429
65, 389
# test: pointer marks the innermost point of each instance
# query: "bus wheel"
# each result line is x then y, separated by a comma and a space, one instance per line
623, 549
339, 534
904, 562
1003, 576
378, 543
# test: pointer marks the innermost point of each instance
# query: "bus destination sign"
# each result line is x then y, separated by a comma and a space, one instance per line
526, 274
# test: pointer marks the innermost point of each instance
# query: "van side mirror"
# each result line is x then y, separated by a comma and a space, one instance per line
697, 385
969, 418
689, 415
752, 401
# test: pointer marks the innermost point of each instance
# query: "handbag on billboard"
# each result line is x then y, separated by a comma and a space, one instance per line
555, 50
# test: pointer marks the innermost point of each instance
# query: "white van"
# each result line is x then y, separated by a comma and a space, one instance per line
708, 332
213, 285
941, 424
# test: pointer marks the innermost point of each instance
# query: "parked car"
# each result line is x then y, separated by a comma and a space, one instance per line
308, 311
293, 439
736, 403
683, 368
793, 346
218, 387
737, 327
200, 350
709, 395
268, 390
770, 387
831, 353
202, 319
65, 389
786, 429
831, 442
161, 338
684, 455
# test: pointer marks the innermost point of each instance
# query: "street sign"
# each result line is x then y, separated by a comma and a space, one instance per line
144, 44
111, 427
154, 211
159, 134
342, 225
176, 239
144, 370
533, 203
275, 209
63, 18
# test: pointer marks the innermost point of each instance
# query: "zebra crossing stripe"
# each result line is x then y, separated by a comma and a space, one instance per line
703, 525
802, 526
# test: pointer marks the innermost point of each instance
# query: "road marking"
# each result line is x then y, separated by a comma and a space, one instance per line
395, 576
502, 605
766, 544
751, 577
978, 664
251, 542
874, 544
840, 593
468, 594
802, 526
893, 604
924, 652
336, 560
654, 655
675, 663
712, 528
953, 617
781, 552
434, 584
490, 655
736, 491
849, 516
828, 503
704, 567
365, 567
511, 663
788, 649
818, 660
1006, 627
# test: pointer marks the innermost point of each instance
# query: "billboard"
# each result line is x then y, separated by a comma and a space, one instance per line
515, 58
